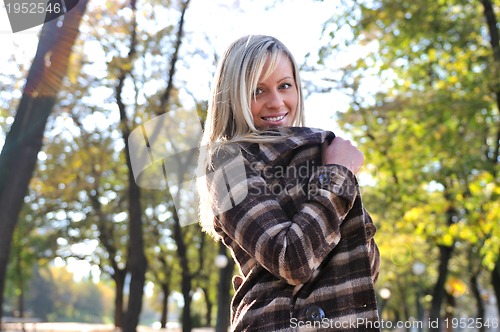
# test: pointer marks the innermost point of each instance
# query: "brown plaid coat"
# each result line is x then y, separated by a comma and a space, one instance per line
301, 238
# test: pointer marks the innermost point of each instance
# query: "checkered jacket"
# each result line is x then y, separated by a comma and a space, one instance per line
301, 238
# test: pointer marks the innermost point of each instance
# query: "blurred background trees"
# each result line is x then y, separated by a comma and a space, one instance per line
421, 81
425, 99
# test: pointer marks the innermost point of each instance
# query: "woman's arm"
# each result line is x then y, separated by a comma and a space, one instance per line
373, 252
291, 249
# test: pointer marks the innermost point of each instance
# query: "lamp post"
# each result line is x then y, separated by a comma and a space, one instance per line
419, 269
385, 294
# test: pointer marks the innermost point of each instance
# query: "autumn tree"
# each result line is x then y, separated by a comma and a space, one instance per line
121, 76
25, 137
85, 187
424, 107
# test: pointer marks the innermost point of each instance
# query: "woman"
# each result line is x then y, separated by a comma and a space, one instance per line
284, 199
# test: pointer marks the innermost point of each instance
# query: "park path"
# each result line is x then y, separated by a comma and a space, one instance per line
79, 327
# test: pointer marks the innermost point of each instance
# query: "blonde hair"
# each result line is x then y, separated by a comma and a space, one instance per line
229, 116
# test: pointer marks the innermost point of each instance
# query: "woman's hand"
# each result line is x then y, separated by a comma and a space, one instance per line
342, 152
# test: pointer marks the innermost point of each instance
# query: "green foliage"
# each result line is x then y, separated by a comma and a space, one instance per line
422, 111
424, 114
77, 205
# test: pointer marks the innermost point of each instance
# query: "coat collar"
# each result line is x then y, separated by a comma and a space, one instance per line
294, 137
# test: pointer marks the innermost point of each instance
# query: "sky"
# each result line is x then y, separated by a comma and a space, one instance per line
297, 23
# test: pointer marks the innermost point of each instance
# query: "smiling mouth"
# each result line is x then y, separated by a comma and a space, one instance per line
274, 118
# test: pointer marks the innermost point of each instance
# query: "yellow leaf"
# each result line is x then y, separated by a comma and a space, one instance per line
455, 287
432, 55
446, 240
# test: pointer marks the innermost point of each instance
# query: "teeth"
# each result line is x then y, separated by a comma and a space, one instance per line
276, 118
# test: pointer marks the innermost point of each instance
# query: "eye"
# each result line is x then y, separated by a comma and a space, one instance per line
286, 86
258, 91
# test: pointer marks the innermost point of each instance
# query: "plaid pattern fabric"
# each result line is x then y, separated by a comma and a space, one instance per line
301, 238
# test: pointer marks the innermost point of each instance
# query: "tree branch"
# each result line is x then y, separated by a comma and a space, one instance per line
165, 99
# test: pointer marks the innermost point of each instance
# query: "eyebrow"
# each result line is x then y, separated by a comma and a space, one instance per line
280, 80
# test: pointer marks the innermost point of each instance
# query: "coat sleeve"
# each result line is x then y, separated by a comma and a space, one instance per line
373, 252
291, 249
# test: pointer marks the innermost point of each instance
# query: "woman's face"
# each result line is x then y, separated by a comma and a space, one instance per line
276, 97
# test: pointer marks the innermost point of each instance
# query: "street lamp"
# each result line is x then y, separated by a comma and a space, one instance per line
221, 261
419, 269
385, 294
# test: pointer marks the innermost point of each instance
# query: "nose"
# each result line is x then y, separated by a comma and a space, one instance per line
274, 100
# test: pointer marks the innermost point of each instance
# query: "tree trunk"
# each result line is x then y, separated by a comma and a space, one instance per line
119, 278
402, 288
209, 305
165, 98
186, 280
224, 292
449, 313
136, 261
439, 291
106, 231
164, 307
492, 24
186, 310
445, 254
186, 273
136, 258
20, 283
24, 140
178, 236
479, 301
187, 276
495, 281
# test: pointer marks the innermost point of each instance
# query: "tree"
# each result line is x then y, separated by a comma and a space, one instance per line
136, 258
223, 291
30, 247
55, 296
178, 234
89, 170
24, 140
137, 261
429, 125
81, 183
494, 38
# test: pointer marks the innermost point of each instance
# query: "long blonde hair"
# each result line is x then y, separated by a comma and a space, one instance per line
229, 116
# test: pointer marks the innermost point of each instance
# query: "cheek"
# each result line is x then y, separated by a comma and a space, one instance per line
255, 113
294, 106
294, 102
255, 107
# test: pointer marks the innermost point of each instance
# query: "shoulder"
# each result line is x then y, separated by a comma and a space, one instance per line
293, 138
